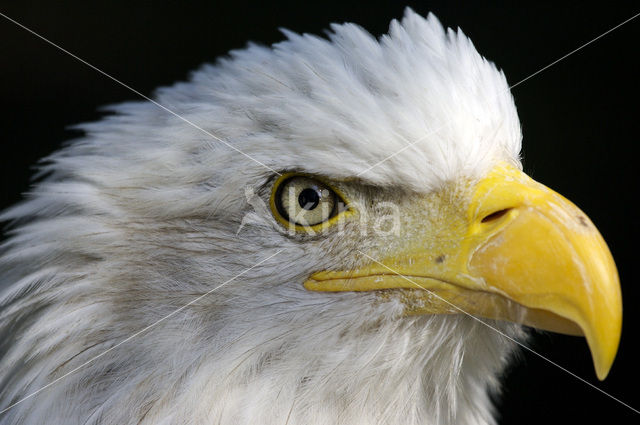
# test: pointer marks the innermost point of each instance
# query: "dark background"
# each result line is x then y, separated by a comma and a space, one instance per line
579, 117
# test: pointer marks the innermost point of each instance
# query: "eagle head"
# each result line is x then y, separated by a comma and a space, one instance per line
328, 230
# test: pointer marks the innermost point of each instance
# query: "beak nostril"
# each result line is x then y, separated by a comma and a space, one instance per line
495, 215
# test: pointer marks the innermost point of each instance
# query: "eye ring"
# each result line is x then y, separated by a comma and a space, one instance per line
305, 202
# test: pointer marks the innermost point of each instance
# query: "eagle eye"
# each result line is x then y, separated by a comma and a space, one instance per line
304, 201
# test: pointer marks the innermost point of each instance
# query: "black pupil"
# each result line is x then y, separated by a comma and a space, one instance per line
309, 198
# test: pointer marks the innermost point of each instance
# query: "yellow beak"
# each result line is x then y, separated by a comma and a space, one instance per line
521, 253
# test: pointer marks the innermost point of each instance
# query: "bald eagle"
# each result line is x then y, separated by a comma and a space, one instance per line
326, 231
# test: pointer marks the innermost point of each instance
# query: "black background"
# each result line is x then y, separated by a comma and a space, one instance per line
579, 117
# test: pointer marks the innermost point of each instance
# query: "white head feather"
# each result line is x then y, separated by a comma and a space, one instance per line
139, 217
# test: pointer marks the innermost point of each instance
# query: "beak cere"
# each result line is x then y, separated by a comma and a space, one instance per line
522, 253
